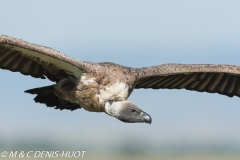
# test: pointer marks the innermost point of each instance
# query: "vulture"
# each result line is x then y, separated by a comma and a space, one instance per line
105, 87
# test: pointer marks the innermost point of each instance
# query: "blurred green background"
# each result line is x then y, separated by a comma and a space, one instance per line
136, 33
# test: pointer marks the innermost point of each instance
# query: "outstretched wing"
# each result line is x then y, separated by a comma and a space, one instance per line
222, 79
38, 61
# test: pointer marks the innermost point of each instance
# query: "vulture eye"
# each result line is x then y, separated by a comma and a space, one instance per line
132, 110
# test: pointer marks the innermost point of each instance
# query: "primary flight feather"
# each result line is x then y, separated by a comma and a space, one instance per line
105, 87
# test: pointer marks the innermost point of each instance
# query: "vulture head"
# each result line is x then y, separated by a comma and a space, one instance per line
126, 111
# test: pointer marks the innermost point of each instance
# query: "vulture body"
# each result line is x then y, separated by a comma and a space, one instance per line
105, 87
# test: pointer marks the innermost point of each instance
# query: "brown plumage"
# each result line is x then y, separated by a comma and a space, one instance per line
222, 79
105, 87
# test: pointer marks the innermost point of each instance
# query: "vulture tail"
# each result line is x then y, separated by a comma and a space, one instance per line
46, 95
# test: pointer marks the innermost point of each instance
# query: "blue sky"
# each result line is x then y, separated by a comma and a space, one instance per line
134, 33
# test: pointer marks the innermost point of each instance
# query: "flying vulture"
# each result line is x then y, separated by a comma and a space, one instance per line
105, 87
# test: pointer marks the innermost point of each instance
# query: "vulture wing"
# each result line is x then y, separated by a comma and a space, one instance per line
38, 61
222, 79
41, 62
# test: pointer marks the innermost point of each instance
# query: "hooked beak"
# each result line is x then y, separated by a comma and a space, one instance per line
147, 118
